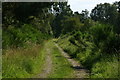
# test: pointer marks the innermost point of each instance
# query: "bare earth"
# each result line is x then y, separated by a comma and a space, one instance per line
79, 70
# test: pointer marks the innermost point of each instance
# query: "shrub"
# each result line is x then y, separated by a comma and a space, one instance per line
112, 44
19, 37
105, 39
100, 32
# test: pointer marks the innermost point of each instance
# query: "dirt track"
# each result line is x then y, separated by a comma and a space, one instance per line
79, 70
47, 67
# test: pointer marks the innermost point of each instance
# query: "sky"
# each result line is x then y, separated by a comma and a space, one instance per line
79, 5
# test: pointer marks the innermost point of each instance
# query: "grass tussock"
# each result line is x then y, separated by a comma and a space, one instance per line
106, 68
22, 63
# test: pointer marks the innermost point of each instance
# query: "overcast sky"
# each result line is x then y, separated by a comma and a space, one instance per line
79, 5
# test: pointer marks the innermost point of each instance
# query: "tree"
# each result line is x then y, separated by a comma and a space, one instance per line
60, 10
24, 22
117, 28
71, 24
13, 11
104, 13
85, 13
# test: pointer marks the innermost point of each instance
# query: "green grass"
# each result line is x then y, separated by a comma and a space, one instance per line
107, 67
28, 62
22, 63
61, 66
67, 46
100, 66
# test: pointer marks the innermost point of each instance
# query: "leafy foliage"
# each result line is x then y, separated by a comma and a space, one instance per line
107, 13
23, 23
18, 37
105, 38
90, 39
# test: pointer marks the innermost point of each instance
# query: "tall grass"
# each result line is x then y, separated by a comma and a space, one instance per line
100, 64
22, 62
107, 67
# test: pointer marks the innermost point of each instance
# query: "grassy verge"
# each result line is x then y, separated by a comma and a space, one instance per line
107, 67
61, 66
22, 63
100, 66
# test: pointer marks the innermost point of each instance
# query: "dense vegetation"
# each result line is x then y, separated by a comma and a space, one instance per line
96, 40
23, 63
23, 23
25, 28
93, 39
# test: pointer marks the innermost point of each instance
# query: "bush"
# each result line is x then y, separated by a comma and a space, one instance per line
19, 37
72, 40
7, 39
100, 32
105, 39
112, 44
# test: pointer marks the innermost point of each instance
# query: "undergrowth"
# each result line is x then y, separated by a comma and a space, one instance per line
100, 64
22, 62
